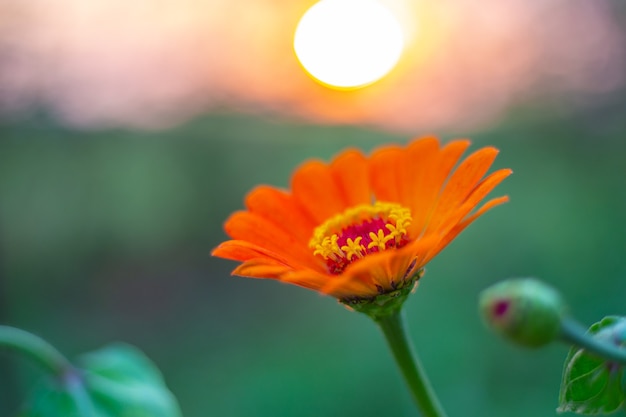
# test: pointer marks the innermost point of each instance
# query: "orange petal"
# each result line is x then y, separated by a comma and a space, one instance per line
454, 232
260, 268
350, 172
386, 168
240, 250
422, 155
363, 278
431, 168
315, 189
351, 289
307, 279
458, 213
279, 208
486, 186
461, 183
251, 227
486, 207
258, 263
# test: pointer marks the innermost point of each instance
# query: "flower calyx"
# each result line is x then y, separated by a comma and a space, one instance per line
385, 304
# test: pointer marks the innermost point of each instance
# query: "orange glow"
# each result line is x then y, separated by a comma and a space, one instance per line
152, 64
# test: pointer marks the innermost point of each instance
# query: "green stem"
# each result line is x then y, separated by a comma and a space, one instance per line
574, 333
395, 332
35, 348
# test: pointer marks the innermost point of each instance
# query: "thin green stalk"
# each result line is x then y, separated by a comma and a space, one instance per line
574, 333
35, 348
395, 332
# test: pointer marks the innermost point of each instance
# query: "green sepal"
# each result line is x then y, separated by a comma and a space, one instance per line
116, 381
592, 385
387, 303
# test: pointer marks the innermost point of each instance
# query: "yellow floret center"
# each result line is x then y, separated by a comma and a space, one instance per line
360, 231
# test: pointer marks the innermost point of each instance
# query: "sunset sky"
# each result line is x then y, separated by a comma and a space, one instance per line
155, 63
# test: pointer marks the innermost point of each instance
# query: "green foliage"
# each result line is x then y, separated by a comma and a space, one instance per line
51, 400
116, 381
592, 385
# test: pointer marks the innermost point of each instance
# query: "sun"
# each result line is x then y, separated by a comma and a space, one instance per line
348, 43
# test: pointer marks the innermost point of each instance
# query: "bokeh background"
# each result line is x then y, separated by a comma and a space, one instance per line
130, 130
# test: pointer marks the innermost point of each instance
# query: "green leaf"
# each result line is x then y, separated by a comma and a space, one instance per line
592, 385
123, 382
49, 399
116, 381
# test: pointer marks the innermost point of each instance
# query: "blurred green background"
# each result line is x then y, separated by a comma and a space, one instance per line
105, 236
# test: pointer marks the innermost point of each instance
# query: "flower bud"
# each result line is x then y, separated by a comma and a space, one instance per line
525, 310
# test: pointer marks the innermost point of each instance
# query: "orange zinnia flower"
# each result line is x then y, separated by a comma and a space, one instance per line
360, 226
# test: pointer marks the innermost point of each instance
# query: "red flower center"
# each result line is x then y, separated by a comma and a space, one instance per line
360, 231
